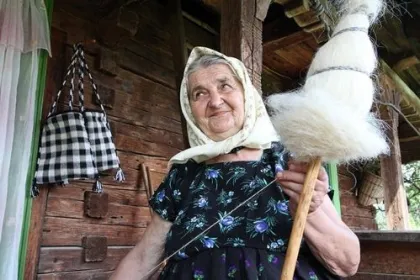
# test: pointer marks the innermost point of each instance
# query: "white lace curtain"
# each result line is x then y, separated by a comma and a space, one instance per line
24, 32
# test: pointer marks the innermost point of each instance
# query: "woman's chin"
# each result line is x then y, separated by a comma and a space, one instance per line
222, 134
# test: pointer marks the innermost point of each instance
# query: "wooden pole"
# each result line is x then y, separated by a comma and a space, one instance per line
391, 171
300, 220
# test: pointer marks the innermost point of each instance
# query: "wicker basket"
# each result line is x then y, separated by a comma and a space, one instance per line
371, 190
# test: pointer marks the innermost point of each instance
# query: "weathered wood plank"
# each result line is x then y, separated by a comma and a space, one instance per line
133, 144
133, 161
281, 66
290, 40
133, 90
69, 232
195, 35
124, 197
383, 276
390, 257
132, 182
145, 67
117, 214
143, 48
83, 275
292, 56
150, 134
77, 275
62, 259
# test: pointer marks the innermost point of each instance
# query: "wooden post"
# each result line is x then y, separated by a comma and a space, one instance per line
179, 50
241, 33
395, 197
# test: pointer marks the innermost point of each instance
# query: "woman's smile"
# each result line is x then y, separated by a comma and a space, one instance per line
219, 114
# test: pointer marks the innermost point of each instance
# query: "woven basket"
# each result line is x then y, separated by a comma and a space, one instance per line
371, 190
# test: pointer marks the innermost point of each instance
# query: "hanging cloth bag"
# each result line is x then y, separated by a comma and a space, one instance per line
65, 152
98, 128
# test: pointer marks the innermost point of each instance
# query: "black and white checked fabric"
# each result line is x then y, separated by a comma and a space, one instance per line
101, 142
65, 152
104, 151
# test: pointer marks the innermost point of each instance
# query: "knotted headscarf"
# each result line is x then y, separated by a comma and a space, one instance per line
257, 131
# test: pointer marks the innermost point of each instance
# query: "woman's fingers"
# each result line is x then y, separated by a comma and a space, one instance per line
295, 181
291, 176
293, 190
302, 167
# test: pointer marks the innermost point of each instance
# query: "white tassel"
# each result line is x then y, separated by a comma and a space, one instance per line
97, 186
119, 176
330, 116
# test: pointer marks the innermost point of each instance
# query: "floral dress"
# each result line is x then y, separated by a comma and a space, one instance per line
249, 243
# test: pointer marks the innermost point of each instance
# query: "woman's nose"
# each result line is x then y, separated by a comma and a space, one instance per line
215, 100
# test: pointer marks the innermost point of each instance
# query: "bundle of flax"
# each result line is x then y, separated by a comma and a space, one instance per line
329, 118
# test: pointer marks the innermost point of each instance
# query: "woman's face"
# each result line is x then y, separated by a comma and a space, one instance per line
217, 101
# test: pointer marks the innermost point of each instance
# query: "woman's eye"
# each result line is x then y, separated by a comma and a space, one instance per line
225, 86
198, 94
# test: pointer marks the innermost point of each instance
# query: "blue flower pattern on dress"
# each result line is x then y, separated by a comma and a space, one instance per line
195, 197
225, 198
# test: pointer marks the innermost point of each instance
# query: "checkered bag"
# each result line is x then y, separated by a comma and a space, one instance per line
98, 128
65, 150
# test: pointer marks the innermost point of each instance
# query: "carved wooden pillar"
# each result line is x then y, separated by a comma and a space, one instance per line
241, 33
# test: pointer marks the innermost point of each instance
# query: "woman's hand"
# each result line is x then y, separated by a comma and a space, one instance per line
292, 181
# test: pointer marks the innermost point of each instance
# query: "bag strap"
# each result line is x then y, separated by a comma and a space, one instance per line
71, 69
84, 66
78, 48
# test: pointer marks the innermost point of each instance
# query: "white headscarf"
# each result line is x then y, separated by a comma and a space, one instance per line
257, 132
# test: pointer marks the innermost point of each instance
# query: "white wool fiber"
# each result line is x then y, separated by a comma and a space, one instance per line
328, 131
329, 117
372, 8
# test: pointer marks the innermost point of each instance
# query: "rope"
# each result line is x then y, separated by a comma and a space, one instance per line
350, 29
401, 114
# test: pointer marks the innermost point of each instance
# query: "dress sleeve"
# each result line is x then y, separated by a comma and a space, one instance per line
165, 198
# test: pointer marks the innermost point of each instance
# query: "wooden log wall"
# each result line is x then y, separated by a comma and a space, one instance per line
132, 64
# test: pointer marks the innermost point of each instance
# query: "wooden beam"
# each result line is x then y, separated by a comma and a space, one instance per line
241, 35
395, 197
406, 63
407, 95
286, 41
409, 139
179, 51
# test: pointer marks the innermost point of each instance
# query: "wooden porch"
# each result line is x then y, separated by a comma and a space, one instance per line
137, 50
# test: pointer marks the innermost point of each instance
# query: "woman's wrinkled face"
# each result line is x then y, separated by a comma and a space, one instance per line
217, 101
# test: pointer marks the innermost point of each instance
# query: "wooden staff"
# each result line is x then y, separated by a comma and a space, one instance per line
300, 220
146, 183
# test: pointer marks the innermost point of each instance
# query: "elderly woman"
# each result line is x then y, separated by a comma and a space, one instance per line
235, 152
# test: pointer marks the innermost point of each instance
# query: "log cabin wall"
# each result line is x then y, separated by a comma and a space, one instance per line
131, 61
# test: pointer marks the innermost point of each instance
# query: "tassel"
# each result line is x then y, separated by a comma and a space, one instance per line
64, 182
97, 186
34, 189
119, 176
